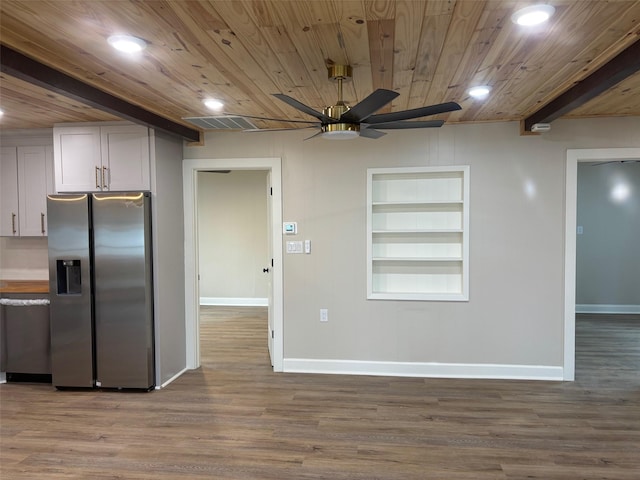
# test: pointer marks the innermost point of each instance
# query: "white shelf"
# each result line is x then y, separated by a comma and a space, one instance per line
421, 231
417, 224
404, 204
417, 259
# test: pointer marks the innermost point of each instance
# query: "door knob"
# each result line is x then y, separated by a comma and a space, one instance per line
265, 270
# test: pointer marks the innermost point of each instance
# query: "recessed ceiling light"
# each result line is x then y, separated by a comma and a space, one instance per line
127, 43
480, 91
1, 112
213, 104
533, 15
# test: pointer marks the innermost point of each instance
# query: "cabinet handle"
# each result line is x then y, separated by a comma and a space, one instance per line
97, 173
42, 222
13, 223
104, 184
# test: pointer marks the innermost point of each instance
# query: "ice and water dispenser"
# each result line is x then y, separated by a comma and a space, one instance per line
69, 278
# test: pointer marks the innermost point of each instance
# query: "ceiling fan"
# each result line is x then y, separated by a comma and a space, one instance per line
340, 121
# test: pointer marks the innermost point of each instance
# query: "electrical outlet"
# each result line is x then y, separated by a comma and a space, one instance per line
324, 315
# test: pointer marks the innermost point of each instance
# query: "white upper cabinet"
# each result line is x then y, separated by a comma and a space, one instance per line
101, 158
26, 179
9, 192
418, 228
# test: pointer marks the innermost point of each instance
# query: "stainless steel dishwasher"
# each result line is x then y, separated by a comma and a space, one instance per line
25, 334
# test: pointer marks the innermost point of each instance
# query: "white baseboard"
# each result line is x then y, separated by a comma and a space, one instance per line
235, 302
409, 369
594, 308
158, 387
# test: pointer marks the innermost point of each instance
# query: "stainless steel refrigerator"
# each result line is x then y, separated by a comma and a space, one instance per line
101, 291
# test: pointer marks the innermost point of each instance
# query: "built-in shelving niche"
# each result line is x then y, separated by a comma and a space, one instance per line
417, 233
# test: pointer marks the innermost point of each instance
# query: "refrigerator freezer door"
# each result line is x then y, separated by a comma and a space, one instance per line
123, 290
70, 309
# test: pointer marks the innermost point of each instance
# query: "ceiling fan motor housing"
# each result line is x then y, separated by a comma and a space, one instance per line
336, 111
340, 72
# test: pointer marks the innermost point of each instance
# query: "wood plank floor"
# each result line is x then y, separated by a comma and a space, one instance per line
234, 419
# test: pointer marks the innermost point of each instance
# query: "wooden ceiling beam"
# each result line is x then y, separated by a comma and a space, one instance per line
622, 66
24, 68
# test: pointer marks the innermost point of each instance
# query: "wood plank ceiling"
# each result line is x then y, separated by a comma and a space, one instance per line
242, 52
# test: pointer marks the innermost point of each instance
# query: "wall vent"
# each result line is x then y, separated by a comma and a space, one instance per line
221, 122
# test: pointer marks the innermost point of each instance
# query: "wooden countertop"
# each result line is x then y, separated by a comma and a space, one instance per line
24, 286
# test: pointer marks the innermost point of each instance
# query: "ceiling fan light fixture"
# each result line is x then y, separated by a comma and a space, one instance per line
533, 15
127, 43
340, 131
338, 135
479, 92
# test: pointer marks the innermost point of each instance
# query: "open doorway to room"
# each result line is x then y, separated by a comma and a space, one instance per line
234, 264
574, 158
258, 283
607, 267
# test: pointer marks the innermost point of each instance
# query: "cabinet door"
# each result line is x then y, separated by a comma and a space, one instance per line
125, 158
77, 159
8, 192
33, 186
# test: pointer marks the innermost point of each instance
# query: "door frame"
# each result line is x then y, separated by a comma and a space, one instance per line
190, 169
571, 206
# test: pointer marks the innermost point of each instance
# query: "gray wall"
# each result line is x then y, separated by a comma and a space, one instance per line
515, 312
232, 235
169, 256
608, 254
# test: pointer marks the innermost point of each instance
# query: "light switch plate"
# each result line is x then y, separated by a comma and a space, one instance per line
294, 246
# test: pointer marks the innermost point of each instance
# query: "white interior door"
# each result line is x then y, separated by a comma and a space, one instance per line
269, 272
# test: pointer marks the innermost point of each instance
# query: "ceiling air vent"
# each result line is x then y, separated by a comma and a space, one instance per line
221, 122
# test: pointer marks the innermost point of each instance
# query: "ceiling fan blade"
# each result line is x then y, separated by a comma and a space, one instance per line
368, 106
414, 113
404, 125
312, 136
292, 102
371, 133
286, 120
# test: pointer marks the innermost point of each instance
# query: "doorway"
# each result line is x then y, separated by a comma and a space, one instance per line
574, 156
274, 334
